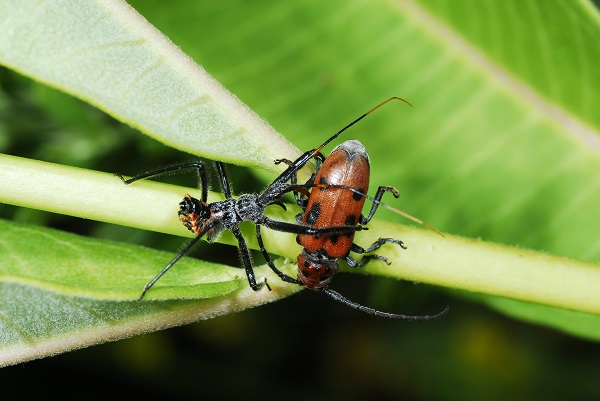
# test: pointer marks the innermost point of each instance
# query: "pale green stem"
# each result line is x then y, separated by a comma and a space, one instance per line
447, 261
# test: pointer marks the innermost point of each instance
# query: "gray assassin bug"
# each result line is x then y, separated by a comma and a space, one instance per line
211, 219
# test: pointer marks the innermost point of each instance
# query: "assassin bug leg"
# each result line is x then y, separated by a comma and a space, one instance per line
199, 167
187, 247
203, 218
211, 219
245, 255
301, 201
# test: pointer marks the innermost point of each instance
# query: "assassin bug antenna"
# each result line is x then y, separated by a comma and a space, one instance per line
317, 150
294, 166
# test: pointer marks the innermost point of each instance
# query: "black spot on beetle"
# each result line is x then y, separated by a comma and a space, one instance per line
350, 220
313, 213
358, 196
334, 238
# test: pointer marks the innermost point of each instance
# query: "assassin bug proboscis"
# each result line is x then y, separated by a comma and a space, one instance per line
211, 219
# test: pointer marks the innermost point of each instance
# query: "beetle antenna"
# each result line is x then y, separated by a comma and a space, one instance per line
338, 297
406, 215
398, 211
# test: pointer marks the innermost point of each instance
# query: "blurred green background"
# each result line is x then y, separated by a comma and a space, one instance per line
475, 156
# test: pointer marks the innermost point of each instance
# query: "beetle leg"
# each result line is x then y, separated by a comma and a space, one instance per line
377, 201
364, 260
376, 245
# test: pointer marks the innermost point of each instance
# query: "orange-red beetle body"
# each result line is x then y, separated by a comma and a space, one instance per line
332, 205
335, 203
336, 200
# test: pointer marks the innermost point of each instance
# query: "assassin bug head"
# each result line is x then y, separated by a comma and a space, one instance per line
198, 217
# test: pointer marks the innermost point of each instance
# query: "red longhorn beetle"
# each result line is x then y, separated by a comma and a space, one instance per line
331, 204
211, 219
338, 194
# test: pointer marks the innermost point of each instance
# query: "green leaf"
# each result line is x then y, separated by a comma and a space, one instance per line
485, 151
61, 291
105, 53
59, 262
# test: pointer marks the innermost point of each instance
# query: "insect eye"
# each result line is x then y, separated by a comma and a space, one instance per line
205, 212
